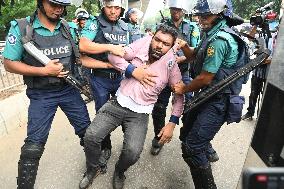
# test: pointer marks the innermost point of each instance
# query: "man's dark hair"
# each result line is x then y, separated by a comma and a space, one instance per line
167, 29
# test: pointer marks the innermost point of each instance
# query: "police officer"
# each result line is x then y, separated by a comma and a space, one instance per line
103, 34
219, 54
45, 87
131, 18
188, 31
81, 17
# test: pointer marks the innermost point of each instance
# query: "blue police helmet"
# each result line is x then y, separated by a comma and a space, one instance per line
61, 2
207, 7
229, 11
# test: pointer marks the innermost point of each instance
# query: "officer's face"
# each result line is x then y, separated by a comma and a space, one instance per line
161, 44
112, 12
206, 22
53, 10
82, 23
176, 14
133, 17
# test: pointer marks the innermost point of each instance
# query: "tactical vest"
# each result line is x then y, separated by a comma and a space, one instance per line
109, 33
134, 32
54, 47
223, 72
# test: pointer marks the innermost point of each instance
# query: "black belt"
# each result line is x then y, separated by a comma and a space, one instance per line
108, 75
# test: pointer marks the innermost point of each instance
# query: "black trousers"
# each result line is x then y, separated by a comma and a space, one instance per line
257, 85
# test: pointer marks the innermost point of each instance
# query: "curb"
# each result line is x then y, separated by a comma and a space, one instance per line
13, 113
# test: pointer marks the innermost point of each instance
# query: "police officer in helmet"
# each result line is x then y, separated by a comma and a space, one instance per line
188, 31
219, 54
104, 34
132, 17
81, 16
45, 87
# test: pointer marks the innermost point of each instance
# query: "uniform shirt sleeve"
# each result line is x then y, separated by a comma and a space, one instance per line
13, 48
90, 30
73, 29
215, 55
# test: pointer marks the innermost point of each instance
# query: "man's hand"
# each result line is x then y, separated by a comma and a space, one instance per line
54, 68
144, 77
117, 50
179, 88
166, 133
267, 61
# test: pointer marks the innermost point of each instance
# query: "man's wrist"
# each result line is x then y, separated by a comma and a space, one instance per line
174, 119
129, 70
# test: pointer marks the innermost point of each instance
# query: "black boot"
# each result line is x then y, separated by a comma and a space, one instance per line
118, 179
156, 147
89, 176
28, 165
203, 178
247, 116
211, 154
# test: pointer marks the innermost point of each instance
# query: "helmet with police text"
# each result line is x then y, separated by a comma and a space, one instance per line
208, 7
178, 4
81, 13
115, 3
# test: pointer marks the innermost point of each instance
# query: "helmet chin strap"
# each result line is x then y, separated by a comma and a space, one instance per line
54, 20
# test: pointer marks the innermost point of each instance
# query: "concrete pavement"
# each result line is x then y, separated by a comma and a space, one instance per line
63, 163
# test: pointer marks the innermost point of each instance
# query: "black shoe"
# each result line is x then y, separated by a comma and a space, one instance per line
212, 157
156, 147
118, 180
88, 177
247, 116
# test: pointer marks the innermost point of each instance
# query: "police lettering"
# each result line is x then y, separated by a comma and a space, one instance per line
55, 51
114, 37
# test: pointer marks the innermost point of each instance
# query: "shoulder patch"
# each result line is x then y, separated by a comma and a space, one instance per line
195, 34
210, 51
12, 39
93, 27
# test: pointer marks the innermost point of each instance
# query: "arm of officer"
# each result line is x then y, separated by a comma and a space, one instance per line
216, 51
87, 46
188, 51
93, 63
177, 102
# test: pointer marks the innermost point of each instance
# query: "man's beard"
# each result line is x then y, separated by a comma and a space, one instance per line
156, 54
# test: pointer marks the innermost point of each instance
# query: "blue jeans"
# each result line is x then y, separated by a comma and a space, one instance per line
108, 118
200, 127
43, 106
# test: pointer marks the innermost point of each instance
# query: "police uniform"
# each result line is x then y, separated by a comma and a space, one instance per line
188, 31
134, 32
217, 53
46, 94
105, 82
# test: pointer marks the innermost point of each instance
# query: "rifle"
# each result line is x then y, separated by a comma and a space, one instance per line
262, 54
70, 79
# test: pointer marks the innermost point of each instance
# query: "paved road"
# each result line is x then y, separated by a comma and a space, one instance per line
63, 162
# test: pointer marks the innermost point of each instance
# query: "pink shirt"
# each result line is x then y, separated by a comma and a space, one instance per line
165, 68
